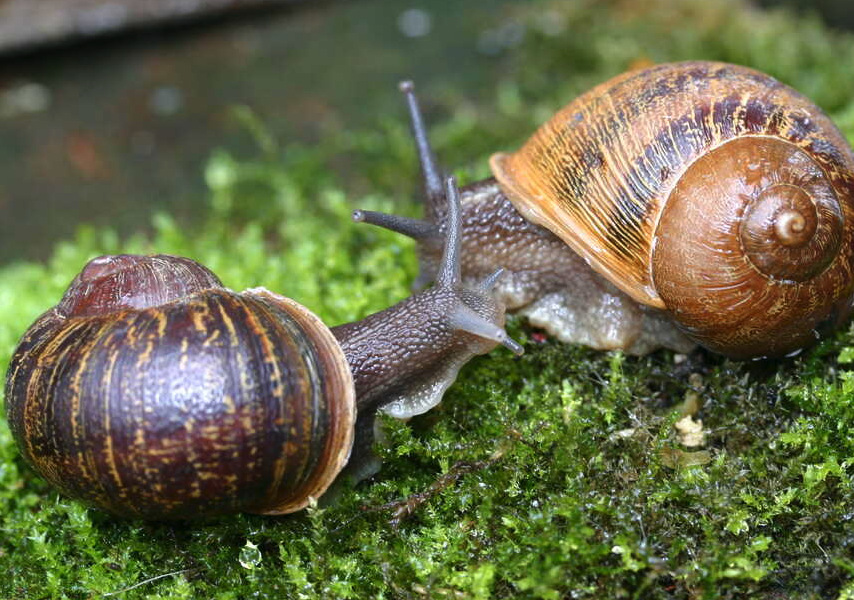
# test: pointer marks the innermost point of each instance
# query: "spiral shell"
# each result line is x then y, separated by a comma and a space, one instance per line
194, 400
708, 189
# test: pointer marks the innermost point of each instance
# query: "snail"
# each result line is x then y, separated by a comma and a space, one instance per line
694, 202
153, 391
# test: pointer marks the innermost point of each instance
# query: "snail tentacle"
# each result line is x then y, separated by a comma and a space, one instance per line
433, 184
490, 281
420, 230
465, 319
450, 269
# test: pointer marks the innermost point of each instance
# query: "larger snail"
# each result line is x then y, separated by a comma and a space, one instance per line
152, 391
695, 199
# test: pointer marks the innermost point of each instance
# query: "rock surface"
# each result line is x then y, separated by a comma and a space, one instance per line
29, 23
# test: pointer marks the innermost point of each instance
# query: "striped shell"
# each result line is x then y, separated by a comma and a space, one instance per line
193, 400
708, 189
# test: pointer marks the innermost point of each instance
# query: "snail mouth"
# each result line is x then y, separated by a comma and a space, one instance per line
791, 232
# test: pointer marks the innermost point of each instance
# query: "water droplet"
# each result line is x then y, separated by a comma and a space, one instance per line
28, 97
250, 556
415, 22
166, 100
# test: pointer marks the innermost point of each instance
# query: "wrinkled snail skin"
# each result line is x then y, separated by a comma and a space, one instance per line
590, 310
403, 363
153, 391
697, 198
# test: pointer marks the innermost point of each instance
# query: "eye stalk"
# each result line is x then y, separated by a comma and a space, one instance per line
449, 277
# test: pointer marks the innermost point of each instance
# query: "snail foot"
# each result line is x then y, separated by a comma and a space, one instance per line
603, 318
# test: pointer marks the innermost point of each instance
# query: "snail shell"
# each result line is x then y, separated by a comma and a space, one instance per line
183, 399
707, 189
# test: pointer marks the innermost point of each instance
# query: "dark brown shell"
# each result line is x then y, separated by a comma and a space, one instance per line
211, 403
766, 246
600, 174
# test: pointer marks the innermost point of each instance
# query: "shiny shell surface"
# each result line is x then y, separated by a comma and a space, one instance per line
598, 174
219, 402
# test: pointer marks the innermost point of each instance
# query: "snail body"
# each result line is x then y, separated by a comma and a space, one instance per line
153, 391
696, 198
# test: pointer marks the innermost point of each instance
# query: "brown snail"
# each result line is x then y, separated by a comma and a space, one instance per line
152, 391
696, 198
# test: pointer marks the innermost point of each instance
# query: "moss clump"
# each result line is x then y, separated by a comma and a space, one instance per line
571, 479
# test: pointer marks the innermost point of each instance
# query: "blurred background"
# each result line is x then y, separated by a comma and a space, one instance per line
111, 109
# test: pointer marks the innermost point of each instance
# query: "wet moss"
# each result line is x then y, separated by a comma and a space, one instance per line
570, 480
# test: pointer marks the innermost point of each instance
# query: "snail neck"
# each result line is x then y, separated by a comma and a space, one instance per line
404, 357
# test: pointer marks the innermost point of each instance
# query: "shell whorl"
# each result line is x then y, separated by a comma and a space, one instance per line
602, 172
211, 402
127, 281
792, 230
746, 254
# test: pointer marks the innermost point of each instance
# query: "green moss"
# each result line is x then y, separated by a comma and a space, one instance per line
577, 484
